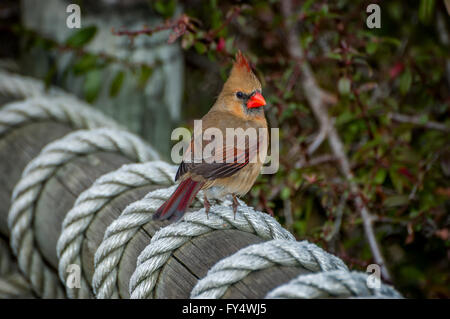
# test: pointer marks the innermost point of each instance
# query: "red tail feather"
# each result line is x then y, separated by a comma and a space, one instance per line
179, 201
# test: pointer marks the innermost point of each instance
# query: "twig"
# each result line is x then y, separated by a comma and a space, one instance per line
317, 98
416, 120
235, 11
288, 214
337, 224
320, 159
421, 175
179, 26
321, 136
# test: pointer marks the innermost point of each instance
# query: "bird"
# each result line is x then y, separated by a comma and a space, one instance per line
234, 164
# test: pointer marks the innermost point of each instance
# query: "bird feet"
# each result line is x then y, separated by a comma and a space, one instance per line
207, 205
235, 205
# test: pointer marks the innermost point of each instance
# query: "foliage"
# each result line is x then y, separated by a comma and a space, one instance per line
402, 167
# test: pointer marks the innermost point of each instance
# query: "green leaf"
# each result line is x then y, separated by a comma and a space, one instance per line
49, 76
144, 75
82, 37
85, 63
285, 193
396, 179
344, 86
371, 47
116, 84
200, 47
405, 81
426, 10
380, 176
187, 40
165, 8
396, 200
333, 55
92, 85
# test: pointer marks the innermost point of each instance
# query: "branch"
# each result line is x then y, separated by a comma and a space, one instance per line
320, 159
287, 210
317, 98
179, 27
416, 120
338, 221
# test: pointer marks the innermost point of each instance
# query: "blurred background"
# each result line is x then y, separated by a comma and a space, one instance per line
158, 65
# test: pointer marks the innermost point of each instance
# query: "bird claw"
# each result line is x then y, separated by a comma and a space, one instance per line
235, 206
207, 206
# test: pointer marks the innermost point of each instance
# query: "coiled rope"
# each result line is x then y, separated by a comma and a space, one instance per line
26, 193
261, 256
171, 237
92, 201
335, 284
121, 231
57, 109
12, 283
20, 86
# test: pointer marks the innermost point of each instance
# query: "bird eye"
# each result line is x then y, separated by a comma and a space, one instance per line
240, 95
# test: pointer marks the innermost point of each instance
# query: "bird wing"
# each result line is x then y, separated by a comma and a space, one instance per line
224, 160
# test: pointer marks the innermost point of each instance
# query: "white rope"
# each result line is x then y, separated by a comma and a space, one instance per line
334, 284
122, 230
230, 270
12, 283
92, 201
27, 191
168, 239
19, 86
116, 238
56, 109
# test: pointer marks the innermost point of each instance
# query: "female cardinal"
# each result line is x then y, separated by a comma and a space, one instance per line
229, 169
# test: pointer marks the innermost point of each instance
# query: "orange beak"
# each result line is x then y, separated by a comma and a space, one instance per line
256, 100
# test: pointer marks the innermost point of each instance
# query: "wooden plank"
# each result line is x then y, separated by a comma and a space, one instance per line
193, 260
258, 283
196, 257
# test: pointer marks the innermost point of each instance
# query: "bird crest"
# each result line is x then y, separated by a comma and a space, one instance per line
241, 62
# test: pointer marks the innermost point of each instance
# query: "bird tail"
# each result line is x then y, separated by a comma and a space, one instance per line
174, 208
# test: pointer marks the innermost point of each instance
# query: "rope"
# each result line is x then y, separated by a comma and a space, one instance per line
168, 239
334, 284
27, 191
19, 86
12, 283
261, 256
92, 201
56, 109
116, 238
120, 232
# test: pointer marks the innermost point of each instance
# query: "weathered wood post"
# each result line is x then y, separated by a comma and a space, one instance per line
49, 186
